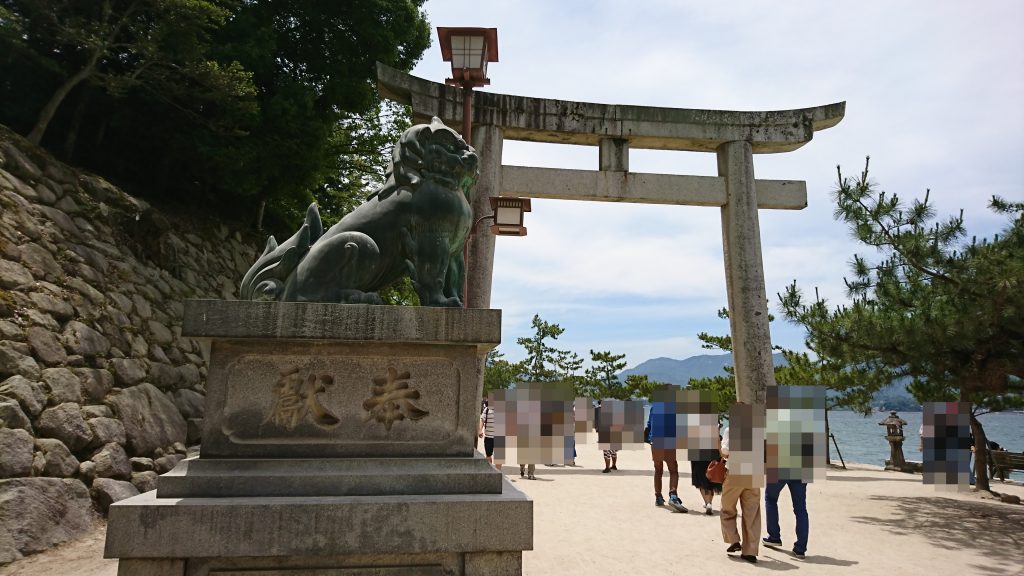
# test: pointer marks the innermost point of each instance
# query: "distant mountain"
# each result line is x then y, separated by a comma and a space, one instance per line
679, 372
672, 371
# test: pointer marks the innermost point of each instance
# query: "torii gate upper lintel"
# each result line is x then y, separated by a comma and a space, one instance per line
732, 135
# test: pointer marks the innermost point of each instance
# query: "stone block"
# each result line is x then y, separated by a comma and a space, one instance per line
96, 382
189, 402
62, 386
128, 371
145, 481
30, 395
46, 346
57, 459
13, 274
106, 491
85, 341
39, 513
15, 453
13, 416
65, 423
112, 462
106, 431
209, 478
223, 527
150, 419
15, 362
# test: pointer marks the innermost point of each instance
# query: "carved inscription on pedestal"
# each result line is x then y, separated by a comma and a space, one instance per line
391, 400
296, 395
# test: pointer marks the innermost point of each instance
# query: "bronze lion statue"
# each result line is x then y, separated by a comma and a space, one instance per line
414, 225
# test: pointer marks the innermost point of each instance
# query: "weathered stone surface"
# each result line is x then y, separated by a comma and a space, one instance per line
97, 411
65, 423
128, 371
57, 459
13, 274
56, 307
156, 354
13, 362
190, 375
112, 462
165, 464
139, 347
96, 382
145, 481
94, 295
12, 416
142, 307
141, 464
62, 220
123, 303
85, 341
38, 513
46, 346
30, 395
87, 471
67, 204
150, 419
62, 386
106, 491
11, 331
15, 453
160, 333
39, 318
45, 195
40, 262
164, 376
189, 402
106, 431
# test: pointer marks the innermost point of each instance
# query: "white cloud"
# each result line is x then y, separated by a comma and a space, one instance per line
933, 91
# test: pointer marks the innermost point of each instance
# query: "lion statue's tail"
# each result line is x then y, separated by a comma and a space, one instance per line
266, 279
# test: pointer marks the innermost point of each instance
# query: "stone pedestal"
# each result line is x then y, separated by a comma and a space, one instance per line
338, 439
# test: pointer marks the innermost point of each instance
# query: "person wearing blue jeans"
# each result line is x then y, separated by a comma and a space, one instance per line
798, 493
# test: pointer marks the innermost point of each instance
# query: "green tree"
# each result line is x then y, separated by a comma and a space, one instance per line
601, 380
846, 386
121, 44
542, 359
946, 312
500, 374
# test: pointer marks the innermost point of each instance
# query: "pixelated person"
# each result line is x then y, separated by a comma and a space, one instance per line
661, 435
793, 411
741, 486
486, 431
296, 396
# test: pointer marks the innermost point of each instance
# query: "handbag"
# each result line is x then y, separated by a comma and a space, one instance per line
717, 471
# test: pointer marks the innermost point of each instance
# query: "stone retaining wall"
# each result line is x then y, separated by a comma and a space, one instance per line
99, 392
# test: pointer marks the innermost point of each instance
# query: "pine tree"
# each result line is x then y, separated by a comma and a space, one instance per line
945, 312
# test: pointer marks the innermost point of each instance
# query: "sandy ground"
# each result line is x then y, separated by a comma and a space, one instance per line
864, 522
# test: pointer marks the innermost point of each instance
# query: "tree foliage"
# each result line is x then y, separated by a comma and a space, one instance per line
240, 107
944, 311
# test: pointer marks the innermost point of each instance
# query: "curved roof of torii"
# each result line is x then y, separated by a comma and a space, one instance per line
561, 121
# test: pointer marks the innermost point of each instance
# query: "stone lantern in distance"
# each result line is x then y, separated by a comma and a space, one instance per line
894, 434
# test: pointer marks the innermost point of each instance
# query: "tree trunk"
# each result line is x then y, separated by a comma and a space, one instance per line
48, 112
76, 123
980, 455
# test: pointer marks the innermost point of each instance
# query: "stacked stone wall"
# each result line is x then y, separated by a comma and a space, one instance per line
99, 392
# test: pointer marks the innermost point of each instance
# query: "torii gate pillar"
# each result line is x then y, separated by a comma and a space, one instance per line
733, 136
744, 275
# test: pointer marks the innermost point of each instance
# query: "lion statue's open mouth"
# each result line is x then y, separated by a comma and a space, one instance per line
414, 225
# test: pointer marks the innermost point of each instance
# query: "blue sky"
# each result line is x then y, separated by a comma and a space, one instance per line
934, 92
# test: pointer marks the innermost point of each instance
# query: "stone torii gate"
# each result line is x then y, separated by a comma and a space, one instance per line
733, 136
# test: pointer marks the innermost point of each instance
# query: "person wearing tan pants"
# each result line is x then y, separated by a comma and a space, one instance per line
738, 490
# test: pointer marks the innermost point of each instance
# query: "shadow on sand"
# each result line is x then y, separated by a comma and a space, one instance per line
991, 527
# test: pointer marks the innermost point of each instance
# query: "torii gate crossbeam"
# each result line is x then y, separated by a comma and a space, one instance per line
733, 136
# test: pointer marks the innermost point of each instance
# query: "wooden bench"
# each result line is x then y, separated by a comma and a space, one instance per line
1002, 462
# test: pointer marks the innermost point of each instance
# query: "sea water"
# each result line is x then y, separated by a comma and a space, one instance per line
862, 440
